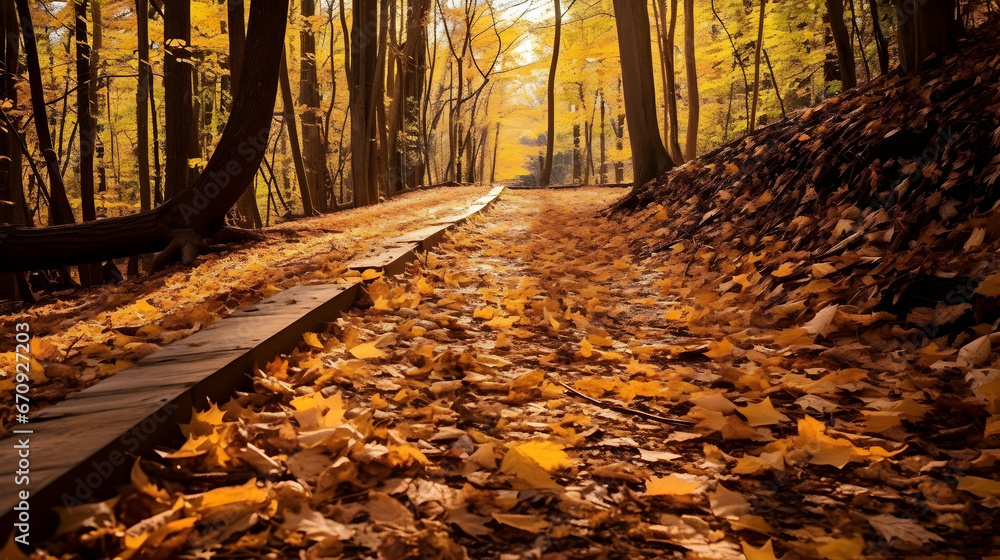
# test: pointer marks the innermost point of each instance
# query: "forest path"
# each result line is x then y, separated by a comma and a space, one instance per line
83, 336
529, 389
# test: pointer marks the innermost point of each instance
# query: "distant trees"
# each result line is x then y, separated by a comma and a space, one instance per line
550, 139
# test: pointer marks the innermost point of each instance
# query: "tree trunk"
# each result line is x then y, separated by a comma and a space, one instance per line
178, 84
288, 104
97, 45
925, 28
756, 69
649, 157
60, 211
14, 209
409, 92
90, 274
550, 140
694, 103
197, 212
842, 41
673, 141
364, 48
313, 153
604, 154
881, 44
142, 105
247, 210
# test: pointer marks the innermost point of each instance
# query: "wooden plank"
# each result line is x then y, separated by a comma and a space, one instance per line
427, 238
392, 260
142, 406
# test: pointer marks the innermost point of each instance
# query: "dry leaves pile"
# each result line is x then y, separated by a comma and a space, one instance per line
532, 390
82, 337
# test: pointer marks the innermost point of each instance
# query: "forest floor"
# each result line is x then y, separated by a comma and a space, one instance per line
533, 389
83, 336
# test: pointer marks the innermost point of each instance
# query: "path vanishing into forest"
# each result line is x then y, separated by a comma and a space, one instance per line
531, 389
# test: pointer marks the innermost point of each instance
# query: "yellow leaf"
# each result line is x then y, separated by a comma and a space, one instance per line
820, 270
316, 411
672, 485
720, 349
366, 351
992, 425
765, 552
529, 523
990, 287
404, 455
982, 487
786, 269
502, 323
528, 380
370, 274
204, 422
312, 339
586, 349
762, 414
519, 464
546, 454
425, 287
484, 313
842, 549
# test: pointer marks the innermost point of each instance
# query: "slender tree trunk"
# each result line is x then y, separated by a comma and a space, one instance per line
142, 105
774, 80
364, 49
694, 103
247, 210
881, 44
842, 42
11, 188
673, 141
97, 45
60, 211
496, 148
288, 103
604, 154
550, 139
313, 154
157, 168
179, 83
88, 131
380, 134
649, 157
756, 68
861, 45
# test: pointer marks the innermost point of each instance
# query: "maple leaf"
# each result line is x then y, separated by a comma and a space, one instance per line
316, 411
762, 414
672, 485
529, 523
314, 526
891, 527
765, 552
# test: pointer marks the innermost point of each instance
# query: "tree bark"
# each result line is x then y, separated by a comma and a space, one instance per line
288, 104
364, 48
178, 84
649, 157
60, 211
11, 190
142, 105
881, 44
925, 28
550, 139
756, 69
196, 213
313, 153
842, 41
694, 103
409, 92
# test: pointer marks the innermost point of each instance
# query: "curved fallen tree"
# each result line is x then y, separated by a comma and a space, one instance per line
182, 223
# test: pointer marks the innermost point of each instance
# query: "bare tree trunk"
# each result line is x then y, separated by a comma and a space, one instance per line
881, 44
313, 153
59, 208
90, 275
288, 103
142, 105
198, 212
178, 84
363, 66
247, 210
694, 104
550, 140
756, 68
604, 153
649, 157
14, 209
97, 31
842, 41
925, 28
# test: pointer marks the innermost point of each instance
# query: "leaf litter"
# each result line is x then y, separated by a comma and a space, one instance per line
83, 336
435, 420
